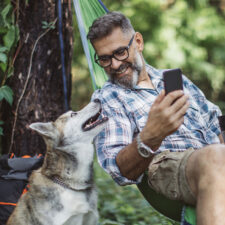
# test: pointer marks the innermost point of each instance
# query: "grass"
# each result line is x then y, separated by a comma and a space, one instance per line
124, 205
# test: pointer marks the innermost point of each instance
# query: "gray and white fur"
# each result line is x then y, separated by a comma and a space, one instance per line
62, 191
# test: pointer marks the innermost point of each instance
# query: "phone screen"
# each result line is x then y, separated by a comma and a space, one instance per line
172, 80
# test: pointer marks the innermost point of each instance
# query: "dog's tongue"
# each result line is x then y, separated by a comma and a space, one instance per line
94, 121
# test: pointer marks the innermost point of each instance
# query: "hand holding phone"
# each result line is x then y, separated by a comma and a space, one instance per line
172, 80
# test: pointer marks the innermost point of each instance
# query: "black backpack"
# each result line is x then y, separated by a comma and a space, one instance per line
14, 174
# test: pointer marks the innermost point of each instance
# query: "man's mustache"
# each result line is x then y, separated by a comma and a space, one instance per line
121, 68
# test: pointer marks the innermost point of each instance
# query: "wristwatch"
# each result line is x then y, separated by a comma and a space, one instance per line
143, 149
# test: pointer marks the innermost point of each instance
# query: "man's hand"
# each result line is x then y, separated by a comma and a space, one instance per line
165, 117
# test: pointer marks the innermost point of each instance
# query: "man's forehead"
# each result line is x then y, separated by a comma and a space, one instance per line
111, 42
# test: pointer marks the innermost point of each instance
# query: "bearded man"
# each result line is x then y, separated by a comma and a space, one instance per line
176, 137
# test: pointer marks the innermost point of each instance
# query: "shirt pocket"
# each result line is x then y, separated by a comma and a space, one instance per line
193, 118
141, 115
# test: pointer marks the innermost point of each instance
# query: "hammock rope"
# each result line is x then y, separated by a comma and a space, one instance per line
65, 91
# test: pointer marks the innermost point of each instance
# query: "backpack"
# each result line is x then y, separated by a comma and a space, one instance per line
14, 174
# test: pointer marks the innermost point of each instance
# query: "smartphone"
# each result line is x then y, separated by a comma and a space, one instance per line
172, 80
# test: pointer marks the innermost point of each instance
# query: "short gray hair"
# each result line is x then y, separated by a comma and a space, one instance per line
104, 25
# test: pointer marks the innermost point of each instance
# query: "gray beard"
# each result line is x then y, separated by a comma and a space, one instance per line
128, 81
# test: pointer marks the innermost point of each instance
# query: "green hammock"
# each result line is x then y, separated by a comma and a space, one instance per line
86, 12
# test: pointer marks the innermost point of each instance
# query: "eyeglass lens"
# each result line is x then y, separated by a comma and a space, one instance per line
120, 54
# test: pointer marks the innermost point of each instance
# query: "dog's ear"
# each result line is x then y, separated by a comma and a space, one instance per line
44, 129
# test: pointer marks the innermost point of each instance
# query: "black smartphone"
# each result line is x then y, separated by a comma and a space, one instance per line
172, 80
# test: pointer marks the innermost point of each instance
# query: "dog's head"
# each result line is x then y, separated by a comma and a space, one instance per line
73, 127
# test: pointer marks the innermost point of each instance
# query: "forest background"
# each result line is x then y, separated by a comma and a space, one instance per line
185, 34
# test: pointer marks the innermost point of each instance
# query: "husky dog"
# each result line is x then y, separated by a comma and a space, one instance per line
62, 191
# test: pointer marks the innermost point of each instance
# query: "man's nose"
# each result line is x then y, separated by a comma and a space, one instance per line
115, 63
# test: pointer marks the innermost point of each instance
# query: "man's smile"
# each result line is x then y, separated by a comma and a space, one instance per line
122, 72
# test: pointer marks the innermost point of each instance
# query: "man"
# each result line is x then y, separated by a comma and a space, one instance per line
176, 135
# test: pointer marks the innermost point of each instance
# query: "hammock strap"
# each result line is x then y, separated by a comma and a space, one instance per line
103, 6
66, 105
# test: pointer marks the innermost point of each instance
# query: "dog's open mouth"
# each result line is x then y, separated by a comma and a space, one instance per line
94, 121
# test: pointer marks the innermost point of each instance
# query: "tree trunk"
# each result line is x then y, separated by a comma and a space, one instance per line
37, 81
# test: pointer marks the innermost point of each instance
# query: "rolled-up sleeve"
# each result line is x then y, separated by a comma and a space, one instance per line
117, 134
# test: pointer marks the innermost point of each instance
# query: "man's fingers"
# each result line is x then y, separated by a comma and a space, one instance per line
177, 118
172, 96
179, 103
183, 110
160, 97
179, 115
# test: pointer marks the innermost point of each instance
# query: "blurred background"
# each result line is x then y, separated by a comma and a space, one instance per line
177, 33
185, 34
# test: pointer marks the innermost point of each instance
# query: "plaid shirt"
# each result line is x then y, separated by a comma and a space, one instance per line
128, 110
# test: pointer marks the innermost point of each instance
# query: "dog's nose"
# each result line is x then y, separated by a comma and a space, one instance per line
97, 100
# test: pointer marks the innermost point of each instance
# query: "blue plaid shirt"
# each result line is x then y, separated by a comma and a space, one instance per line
128, 110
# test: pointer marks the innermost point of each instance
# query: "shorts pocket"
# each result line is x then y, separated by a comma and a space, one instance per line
163, 175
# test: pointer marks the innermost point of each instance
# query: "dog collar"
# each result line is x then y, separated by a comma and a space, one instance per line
58, 181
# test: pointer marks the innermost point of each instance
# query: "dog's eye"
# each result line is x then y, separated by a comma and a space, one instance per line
73, 114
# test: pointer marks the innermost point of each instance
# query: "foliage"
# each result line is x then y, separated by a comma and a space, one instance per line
124, 205
6, 93
185, 34
46, 25
9, 36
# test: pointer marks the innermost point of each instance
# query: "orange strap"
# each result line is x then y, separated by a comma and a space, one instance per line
25, 190
7, 203
25, 156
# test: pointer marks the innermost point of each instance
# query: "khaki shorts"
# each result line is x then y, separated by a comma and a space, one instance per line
167, 176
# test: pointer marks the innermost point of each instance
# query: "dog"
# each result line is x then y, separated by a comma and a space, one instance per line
62, 191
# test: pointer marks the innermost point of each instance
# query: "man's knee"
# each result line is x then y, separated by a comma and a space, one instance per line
206, 167
210, 158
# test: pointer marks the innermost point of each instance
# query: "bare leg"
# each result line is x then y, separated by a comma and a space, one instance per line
206, 175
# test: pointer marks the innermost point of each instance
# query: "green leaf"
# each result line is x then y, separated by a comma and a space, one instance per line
6, 93
9, 38
3, 30
3, 49
46, 25
5, 12
3, 57
3, 66
1, 122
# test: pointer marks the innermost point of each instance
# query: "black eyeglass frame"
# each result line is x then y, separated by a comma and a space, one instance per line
113, 55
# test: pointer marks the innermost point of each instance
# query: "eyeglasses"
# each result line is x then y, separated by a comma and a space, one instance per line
120, 54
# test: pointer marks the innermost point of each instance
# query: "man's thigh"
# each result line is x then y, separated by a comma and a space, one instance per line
167, 175
206, 162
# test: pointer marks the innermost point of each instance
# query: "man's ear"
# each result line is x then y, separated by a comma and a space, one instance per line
140, 42
44, 129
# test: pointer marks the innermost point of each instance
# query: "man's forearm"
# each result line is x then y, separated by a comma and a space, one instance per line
130, 163
221, 139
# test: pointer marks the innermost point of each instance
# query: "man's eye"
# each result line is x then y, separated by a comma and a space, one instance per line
120, 52
104, 59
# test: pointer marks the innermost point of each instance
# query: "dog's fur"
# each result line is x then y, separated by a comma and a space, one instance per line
62, 191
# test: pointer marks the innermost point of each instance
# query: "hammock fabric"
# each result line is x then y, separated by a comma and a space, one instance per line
86, 12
